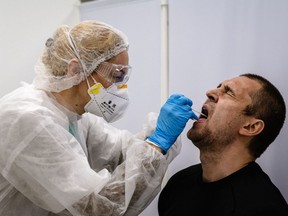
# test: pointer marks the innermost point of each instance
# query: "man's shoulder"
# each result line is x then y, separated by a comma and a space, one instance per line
190, 171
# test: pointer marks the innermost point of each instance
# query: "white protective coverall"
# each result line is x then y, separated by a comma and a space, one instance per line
45, 170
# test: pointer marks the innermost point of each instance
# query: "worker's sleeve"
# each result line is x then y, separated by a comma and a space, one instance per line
137, 169
46, 163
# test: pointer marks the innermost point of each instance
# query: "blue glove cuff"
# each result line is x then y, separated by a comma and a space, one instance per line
161, 142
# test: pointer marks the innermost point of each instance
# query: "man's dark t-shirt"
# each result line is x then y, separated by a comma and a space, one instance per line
247, 192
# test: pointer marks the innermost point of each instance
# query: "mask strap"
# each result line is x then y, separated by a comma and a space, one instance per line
72, 45
93, 79
88, 82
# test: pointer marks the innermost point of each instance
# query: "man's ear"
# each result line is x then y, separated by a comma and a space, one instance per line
74, 67
252, 127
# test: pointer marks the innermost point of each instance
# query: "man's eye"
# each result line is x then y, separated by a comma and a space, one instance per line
230, 93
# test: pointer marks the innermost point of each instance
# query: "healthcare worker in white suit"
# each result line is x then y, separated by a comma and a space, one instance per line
58, 153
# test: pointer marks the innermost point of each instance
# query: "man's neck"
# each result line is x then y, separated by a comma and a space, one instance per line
218, 165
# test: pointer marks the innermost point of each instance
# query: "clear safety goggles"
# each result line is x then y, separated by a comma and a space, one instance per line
114, 73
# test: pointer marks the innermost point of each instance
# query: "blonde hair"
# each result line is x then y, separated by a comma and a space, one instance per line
91, 42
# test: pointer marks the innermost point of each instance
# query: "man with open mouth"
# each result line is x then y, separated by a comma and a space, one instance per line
239, 120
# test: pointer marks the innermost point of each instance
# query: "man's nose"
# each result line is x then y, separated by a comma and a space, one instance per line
213, 95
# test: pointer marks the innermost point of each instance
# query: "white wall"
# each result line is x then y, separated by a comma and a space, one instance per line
25, 27
210, 41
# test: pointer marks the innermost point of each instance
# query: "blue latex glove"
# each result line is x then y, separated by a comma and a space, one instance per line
171, 121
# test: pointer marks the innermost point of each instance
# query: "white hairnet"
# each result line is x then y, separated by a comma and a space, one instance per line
91, 42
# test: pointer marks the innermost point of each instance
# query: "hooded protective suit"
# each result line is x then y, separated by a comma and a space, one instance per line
54, 162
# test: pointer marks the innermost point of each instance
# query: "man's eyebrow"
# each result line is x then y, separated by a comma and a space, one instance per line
228, 88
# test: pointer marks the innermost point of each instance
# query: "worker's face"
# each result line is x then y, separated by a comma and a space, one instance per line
120, 59
224, 108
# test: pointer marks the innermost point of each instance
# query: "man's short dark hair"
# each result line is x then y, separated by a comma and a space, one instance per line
269, 106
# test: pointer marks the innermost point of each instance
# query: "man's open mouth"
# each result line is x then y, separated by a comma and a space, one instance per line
204, 113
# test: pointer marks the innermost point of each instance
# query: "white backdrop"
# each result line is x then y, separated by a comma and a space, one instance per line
25, 27
210, 41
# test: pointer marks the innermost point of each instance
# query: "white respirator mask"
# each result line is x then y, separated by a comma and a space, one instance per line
109, 103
